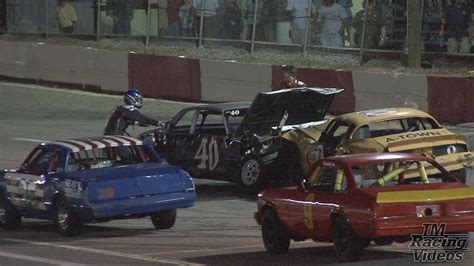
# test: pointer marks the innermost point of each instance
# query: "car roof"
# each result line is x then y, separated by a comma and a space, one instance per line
375, 115
219, 107
84, 144
360, 158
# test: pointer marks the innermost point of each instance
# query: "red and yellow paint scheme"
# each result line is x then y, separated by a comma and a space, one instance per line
359, 198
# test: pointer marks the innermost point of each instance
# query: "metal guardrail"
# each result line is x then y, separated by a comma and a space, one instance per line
283, 23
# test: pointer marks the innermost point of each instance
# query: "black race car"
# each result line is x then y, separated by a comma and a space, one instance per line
241, 142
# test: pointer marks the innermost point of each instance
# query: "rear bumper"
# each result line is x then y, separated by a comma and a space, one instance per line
142, 205
456, 161
406, 226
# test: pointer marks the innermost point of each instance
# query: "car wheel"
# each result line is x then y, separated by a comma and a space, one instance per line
11, 217
164, 219
67, 222
251, 174
276, 237
347, 244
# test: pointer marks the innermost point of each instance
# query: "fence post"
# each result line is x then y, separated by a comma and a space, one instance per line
201, 22
414, 32
148, 20
98, 21
306, 33
47, 19
364, 27
254, 27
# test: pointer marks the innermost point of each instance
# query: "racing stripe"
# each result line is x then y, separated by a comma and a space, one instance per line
122, 142
425, 195
132, 140
110, 143
82, 146
72, 147
98, 144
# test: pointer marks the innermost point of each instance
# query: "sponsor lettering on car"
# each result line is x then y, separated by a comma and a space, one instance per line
413, 135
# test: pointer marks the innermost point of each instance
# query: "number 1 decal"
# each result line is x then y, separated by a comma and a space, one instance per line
208, 154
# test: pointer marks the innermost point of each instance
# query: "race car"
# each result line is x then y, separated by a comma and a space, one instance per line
354, 200
384, 130
241, 142
72, 182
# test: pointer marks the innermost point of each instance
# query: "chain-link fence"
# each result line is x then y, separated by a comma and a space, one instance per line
335, 24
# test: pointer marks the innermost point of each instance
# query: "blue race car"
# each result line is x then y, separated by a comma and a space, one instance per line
72, 182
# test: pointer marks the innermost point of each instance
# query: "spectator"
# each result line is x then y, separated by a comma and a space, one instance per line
187, 15
289, 78
172, 10
375, 31
67, 17
347, 22
455, 26
331, 16
299, 10
209, 19
232, 21
432, 14
269, 13
471, 30
121, 11
250, 14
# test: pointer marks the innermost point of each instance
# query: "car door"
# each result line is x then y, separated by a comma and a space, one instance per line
212, 153
322, 195
26, 187
331, 139
183, 143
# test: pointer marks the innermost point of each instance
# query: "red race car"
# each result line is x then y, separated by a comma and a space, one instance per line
353, 200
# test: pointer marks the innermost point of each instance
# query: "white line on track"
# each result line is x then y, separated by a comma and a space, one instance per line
102, 252
29, 140
220, 249
37, 259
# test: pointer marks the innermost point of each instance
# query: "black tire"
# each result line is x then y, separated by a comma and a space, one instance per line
12, 218
164, 219
251, 177
276, 237
67, 222
347, 244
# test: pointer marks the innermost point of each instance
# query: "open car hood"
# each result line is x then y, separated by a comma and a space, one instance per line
304, 105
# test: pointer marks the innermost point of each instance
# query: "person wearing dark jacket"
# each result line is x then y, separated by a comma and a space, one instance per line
128, 114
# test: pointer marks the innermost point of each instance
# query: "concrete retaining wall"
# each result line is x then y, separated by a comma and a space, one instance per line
450, 99
87, 66
231, 82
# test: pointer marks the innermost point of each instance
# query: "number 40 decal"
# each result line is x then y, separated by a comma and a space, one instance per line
208, 154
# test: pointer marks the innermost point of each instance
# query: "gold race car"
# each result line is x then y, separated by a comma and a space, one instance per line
383, 130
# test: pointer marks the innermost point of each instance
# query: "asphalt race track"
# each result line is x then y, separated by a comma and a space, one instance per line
218, 230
